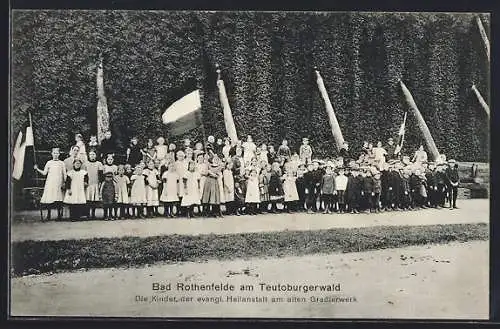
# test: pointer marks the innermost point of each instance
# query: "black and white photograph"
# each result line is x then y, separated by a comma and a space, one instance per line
249, 164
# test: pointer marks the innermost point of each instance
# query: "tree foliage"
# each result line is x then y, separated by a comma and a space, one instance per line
151, 58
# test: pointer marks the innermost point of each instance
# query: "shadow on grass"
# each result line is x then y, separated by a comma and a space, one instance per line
34, 257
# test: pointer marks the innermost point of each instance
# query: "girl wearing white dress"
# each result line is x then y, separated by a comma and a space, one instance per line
82, 153
263, 154
226, 149
152, 177
52, 196
290, 191
249, 149
76, 183
122, 184
170, 194
138, 192
228, 181
181, 166
94, 171
191, 183
252, 197
161, 150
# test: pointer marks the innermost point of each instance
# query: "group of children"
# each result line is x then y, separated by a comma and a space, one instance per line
237, 178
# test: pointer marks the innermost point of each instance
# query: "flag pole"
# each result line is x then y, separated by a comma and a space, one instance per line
404, 133
484, 37
481, 100
226, 108
34, 160
203, 129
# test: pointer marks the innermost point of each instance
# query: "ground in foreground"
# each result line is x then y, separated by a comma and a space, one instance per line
433, 281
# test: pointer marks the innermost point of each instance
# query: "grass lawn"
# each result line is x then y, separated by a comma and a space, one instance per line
34, 257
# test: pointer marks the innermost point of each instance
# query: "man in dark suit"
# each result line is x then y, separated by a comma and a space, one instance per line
108, 146
452, 181
390, 148
430, 177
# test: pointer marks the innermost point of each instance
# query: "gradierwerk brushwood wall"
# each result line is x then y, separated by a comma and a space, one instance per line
267, 60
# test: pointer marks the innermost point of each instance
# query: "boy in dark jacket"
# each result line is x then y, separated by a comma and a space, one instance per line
317, 176
367, 190
377, 190
405, 202
300, 183
394, 188
452, 181
352, 191
328, 189
384, 182
441, 186
430, 177
309, 188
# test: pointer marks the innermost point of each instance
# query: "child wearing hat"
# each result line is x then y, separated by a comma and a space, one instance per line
328, 189
53, 194
430, 177
353, 191
305, 151
377, 190
405, 202
366, 191
452, 179
341, 186
317, 176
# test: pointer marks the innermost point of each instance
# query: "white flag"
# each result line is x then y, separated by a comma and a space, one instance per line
184, 114
20, 152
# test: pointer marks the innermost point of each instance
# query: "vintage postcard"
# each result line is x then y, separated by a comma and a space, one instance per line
249, 164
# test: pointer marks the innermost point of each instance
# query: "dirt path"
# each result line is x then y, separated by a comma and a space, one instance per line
471, 211
444, 281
